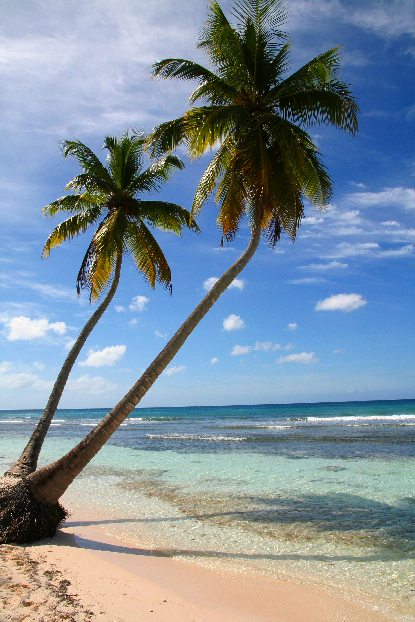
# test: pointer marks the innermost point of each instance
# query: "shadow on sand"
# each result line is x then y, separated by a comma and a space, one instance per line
390, 529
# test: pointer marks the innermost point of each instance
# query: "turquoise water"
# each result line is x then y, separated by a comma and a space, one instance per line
323, 492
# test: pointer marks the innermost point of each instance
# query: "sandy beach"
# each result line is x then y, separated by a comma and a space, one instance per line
84, 574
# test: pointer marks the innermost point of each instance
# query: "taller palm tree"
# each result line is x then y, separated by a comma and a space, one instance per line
109, 196
264, 165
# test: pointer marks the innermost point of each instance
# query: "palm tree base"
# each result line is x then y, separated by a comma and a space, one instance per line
23, 518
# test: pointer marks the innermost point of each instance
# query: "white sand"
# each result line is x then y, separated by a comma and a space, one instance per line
84, 574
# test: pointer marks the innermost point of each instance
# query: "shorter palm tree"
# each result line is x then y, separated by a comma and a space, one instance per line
107, 195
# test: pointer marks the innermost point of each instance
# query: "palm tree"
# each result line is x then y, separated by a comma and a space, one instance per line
265, 163
107, 196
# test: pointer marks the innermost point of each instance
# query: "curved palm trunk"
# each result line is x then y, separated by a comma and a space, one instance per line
49, 483
27, 463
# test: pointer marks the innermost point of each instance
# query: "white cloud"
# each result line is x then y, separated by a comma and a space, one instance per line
292, 326
175, 370
21, 380
57, 292
357, 184
399, 197
351, 217
263, 345
42, 51
119, 308
17, 381
133, 321
391, 19
341, 302
338, 351
236, 283
304, 357
387, 19
209, 283
214, 360
404, 251
221, 249
323, 267
23, 328
371, 250
346, 220
345, 249
348, 230
308, 280
312, 220
239, 350
107, 356
233, 322
138, 303
43, 385
161, 335
90, 384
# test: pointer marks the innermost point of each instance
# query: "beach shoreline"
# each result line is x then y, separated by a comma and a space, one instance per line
289, 514
85, 574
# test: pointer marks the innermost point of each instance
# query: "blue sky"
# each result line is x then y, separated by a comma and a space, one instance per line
330, 317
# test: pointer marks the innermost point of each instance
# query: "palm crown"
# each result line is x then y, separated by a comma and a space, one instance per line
108, 195
265, 161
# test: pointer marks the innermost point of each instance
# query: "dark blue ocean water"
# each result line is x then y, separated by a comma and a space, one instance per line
332, 429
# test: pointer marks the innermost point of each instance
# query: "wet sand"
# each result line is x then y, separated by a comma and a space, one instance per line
85, 574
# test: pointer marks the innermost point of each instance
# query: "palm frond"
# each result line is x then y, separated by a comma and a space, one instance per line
214, 90
166, 137
152, 178
181, 69
92, 184
73, 203
232, 198
147, 254
332, 104
211, 176
223, 46
100, 258
95, 272
166, 216
125, 157
209, 125
70, 228
86, 158
266, 16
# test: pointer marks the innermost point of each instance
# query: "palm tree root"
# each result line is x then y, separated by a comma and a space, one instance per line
23, 518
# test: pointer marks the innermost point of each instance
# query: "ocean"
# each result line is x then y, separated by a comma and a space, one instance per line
317, 492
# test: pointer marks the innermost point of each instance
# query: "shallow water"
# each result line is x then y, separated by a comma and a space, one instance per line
325, 492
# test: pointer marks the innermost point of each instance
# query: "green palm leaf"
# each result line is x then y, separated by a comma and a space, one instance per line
71, 203
166, 216
70, 228
111, 196
255, 117
147, 254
